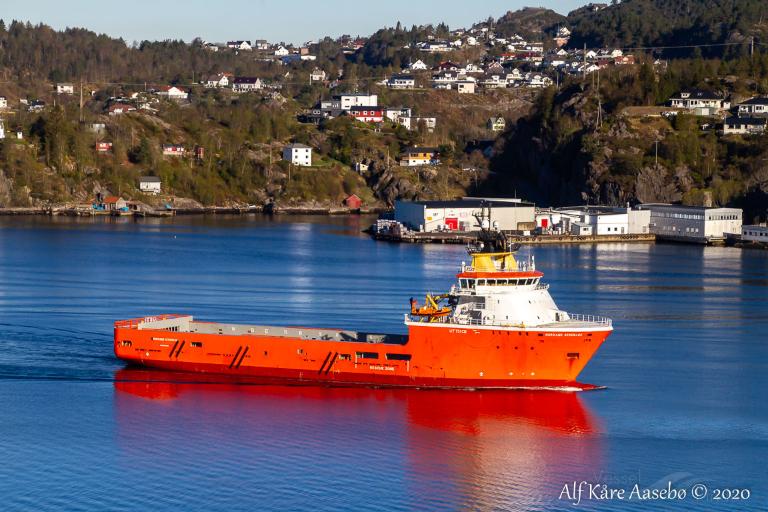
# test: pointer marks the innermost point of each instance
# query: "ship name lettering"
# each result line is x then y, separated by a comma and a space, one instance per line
380, 367
457, 331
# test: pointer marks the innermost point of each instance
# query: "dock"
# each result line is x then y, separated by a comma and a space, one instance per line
412, 237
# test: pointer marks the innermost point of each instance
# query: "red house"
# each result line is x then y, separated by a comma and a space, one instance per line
367, 114
353, 202
103, 147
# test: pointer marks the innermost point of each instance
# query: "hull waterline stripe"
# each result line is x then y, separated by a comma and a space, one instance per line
235, 358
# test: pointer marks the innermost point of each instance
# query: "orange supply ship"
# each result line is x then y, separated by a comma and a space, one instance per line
497, 327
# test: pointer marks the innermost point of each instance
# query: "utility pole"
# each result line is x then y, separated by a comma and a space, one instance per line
657, 152
584, 69
81, 101
752, 47
599, 103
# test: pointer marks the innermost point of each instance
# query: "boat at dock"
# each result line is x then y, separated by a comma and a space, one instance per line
496, 327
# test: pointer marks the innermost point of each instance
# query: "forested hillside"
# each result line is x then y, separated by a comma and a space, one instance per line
645, 23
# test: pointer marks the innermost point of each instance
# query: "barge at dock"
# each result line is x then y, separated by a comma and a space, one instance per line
497, 327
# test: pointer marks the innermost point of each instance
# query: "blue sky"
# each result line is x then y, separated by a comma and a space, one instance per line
276, 20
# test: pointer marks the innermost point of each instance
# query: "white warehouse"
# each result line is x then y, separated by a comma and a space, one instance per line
697, 224
597, 220
458, 215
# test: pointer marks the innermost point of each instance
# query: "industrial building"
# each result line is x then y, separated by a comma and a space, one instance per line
753, 233
458, 215
593, 220
698, 224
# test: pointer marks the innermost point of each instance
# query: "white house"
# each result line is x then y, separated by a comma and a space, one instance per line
412, 123
246, 84
65, 89
419, 65
172, 92
2, 129
219, 80
240, 45
466, 86
702, 103
281, 51
317, 75
401, 82
3, 102
754, 106
744, 125
394, 113
357, 99
298, 154
149, 185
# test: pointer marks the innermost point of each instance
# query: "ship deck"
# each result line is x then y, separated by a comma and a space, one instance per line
179, 323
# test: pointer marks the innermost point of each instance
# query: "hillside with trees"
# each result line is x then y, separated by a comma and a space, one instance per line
647, 23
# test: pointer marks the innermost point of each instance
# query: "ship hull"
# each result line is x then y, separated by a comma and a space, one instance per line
432, 356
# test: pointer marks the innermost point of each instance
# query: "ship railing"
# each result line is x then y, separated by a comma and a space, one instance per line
590, 319
542, 286
134, 323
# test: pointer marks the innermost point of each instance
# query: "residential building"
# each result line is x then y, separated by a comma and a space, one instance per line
150, 185
171, 92
239, 45
298, 154
367, 114
459, 215
466, 86
218, 80
176, 150
744, 125
65, 89
698, 224
394, 113
419, 65
281, 51
357, 99
114, 203
261, 44
754, 106
317, 75
116, 109
246, 84
414, 122
701, 103
415, 156
401, 82
497, 124
3, 102
754, 233
2, 129
103, 147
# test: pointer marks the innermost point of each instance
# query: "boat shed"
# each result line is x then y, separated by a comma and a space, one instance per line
458, 215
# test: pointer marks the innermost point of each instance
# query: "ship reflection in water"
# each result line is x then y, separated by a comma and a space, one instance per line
486, 450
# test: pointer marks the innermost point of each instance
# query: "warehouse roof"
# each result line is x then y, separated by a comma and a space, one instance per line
475, 203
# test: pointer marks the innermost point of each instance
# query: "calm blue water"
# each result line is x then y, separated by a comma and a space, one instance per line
686, 371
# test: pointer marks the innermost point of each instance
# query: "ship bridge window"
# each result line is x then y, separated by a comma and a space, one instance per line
367, 355
398, 357
481, 282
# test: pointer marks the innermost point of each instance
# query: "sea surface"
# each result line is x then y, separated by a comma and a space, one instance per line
686, 372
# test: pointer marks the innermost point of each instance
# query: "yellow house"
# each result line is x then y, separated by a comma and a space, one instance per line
419, 156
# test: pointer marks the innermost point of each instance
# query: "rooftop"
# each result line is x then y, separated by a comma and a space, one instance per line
474, 203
